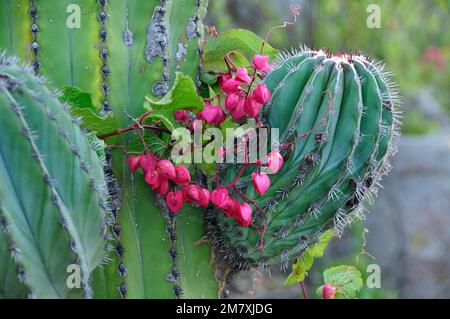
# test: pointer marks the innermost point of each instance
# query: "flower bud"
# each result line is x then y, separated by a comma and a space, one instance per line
166, 169
328, 291
274, 161
261, 94
260, 62
182, 175
261, 182
181, 116
244, 215
175, 201
242, 75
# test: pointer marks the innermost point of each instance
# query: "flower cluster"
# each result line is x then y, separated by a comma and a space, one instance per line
158, 173
241, 99
244, 96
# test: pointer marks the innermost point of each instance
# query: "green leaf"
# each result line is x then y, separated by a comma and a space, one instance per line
304, 263
347, 280
158, 146
76, 97
82, 107
93, 122
240, 44
182, 95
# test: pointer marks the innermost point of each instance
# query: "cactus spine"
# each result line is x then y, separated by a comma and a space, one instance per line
346, 104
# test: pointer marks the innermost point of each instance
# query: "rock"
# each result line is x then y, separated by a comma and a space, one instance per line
409, 224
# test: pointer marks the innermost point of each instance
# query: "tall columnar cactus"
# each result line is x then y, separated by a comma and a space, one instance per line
340, 111
53, 198
121, 51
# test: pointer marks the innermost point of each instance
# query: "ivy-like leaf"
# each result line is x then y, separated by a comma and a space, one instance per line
240, 44
304, 263
82, 107
158, 146
76, 97
347, 280
182, 95
93, 122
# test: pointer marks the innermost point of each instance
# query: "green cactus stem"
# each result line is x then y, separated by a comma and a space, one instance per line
120, 53
339, 110
52, 171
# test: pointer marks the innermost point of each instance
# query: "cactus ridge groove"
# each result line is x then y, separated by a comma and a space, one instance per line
34, 31
103, 36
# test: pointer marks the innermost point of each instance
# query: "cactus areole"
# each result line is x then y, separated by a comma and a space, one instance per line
93, 176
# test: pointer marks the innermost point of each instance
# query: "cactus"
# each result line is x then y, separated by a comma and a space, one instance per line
51, 171
340, 111
121, 52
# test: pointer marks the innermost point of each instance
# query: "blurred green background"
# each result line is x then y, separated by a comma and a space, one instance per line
414, 42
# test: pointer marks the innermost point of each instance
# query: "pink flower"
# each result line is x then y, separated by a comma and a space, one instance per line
274, 161
152, 178
209, 113
181, 116
163, 187
230, 206
239, 112
182, 175
242, 75
166, 169
260, 62
244, 215
175, 201
328, 291
261, 94
251, 107
148, 162
220, 117
218, 196
230, 86
134, 163
261, 182
191, 193
232, 101
204, 198
221, 79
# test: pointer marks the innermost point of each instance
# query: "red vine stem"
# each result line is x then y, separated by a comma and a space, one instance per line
304, 292
130, 128
323, 122
295, 10
233, 183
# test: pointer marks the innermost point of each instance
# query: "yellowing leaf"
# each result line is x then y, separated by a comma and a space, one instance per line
304, 263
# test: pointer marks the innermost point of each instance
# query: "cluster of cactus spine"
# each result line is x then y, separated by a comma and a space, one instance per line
339, 110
